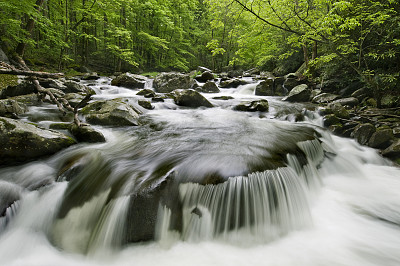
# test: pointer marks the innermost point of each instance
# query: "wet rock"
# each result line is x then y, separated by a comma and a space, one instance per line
190, 98
168, 82
10, 107
339, 110
232, 83
254, 106
235, 73
363, 132
73, 99
393, 151
265, 88
74, 87
291, 80
22, 88
21, 141
91, 76
325, 98
315, 93
147, 93
396, 132
209, 87
53, 83
382, 138
116, 112
224, 98
351, 102
131, 81
205, 76
157, 99
86, 133
146, 104
330, 120
300, 93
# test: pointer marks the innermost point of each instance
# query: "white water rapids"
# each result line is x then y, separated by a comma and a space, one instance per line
343, 211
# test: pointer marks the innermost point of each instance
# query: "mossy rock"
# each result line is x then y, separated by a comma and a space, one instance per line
8, 80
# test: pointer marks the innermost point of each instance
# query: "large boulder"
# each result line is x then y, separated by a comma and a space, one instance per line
21, 141
363, 132
116, 112
232, 83
325, 98
381, 139
291, 80
254, 106
10, 107
393, 151
23, 88
130, 81
74, 87
168, 82
265, 88
86, 133
190, 98
147, 93
209, 87
300, 93
205, 76
350, 101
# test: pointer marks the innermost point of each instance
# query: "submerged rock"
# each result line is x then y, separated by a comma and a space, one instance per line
21, 141
117, 112
254, 106
191, 98
168, 82
131, 81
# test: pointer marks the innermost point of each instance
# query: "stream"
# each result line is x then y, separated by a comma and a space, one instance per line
205, 186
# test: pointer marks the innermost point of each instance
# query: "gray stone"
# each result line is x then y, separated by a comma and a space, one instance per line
254, 106
393, 151
8, 107
147, 93
339, 110
74, 87
232, 83
363, 132
381, 139
21, 141
22, 88
146, 104
190, 98
86, 133
209, 87
350, 101
265, 88
116, 112
325, 98
168, 82
300, 93
330, 120
131, 81
205, 76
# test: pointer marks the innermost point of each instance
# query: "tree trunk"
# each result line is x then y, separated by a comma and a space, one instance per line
29, 28
305, 51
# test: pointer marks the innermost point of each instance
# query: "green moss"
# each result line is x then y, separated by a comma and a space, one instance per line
8, 80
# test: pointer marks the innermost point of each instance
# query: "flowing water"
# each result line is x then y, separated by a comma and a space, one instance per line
203, 187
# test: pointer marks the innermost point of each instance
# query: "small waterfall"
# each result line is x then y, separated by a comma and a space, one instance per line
262, 206
9, 215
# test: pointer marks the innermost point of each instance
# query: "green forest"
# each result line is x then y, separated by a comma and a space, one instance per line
355, 41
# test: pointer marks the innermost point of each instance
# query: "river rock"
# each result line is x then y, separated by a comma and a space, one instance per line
74, 87
389, 101
147, 93
232, 83
223, 98
209, 87
23, 88
265, 88
190, 98
131, 81
291, 80
363, 132
350, 101
168, 82
52, 83
21, 141
254, 106
205, 76
86, 133
339, 110
91, 76
300, 93
381, 139
330, 120
116, 112
235, 73
10, 107
73, 99
393, 151
146, 104
252, 72
325, 98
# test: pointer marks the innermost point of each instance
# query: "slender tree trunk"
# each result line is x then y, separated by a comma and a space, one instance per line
306, 58
315, 50
30, 25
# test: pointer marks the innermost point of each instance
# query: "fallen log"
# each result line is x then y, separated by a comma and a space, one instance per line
31, 73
